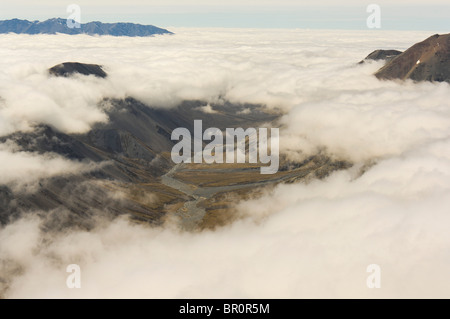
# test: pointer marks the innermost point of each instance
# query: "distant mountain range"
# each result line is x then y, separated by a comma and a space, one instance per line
59, 25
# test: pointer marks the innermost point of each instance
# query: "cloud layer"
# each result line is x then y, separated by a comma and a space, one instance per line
302, 240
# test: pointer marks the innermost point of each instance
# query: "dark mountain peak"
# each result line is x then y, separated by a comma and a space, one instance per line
428, 60
59, 25
69, 68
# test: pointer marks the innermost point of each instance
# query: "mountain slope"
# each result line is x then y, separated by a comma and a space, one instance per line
130, 152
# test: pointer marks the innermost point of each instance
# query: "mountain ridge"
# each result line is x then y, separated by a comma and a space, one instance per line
59, 25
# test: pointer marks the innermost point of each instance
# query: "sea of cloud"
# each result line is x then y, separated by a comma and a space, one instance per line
300, 240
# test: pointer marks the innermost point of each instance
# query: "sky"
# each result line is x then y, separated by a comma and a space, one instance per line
323, 14
300, 240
